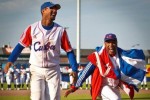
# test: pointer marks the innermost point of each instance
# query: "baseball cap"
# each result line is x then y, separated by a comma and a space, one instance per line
49, 4
110, 36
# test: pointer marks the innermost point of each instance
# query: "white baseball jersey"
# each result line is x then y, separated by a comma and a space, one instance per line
28, 72
16, 73
9, 73
45, 44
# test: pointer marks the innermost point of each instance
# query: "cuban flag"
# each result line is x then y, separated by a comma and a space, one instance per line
131, 68
132, 65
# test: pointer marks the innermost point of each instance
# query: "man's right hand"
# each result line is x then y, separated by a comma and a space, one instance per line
7, 66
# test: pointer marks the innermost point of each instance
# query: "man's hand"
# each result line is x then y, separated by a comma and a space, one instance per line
72, 89
7, 66
75, 77
68, 92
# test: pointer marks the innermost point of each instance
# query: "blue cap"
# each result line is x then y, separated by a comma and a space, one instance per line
110, 36
49, 4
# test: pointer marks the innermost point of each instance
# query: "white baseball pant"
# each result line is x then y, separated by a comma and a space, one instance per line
8, 79
110, 93
45, 83
1, 79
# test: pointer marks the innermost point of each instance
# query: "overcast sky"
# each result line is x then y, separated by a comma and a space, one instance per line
128, 19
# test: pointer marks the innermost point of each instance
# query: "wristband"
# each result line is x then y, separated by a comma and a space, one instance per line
73, 88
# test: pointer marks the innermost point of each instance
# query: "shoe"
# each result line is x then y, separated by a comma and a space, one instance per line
18, 88
2, 89
146, 88
141, 88
80, 88
86, 88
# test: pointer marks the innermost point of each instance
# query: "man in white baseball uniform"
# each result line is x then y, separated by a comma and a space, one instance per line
22, 76
88, 82
27, 77
16, 78
9, 77
45, 37
1, 77
144, 82
70, 77
64, 77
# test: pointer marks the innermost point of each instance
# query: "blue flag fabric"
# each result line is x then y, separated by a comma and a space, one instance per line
132, 65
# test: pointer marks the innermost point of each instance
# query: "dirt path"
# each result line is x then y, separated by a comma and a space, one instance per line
27, 92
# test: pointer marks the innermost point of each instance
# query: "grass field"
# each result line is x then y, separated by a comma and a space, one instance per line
78, 95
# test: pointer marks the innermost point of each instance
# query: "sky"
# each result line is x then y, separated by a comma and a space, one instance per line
128, 19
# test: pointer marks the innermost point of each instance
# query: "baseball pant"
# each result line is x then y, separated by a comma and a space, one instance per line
1, 79
144, 82
110, 93
8, 79
45, 83
16, 81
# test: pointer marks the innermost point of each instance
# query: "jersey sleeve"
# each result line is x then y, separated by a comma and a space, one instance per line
72, 61
65, 43
25, 39
15, 53
89, 69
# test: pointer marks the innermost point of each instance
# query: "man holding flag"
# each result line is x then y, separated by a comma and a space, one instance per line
112, 68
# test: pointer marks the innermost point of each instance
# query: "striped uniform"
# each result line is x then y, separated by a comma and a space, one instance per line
45, 58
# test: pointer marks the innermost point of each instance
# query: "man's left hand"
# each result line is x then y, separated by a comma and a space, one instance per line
75, 77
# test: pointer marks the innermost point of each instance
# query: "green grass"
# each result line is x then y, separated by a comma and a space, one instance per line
77, 97
139, 96
14, 97
12, 86
74, 96
124, 97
